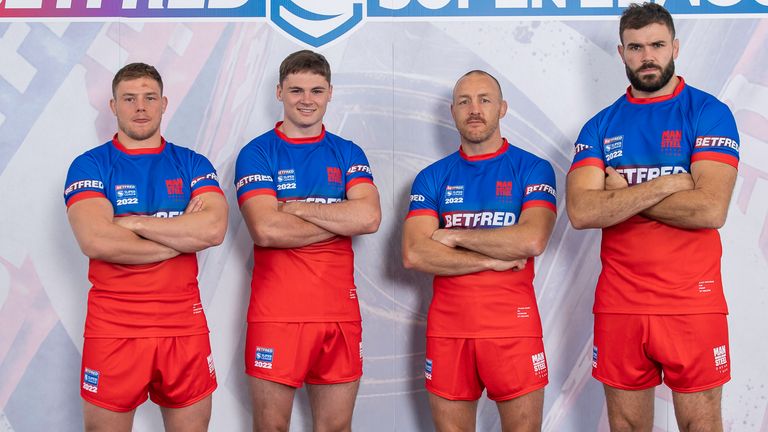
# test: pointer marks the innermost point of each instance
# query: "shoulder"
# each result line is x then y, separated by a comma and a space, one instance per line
441, 167
261, 143
339, 142
100, 155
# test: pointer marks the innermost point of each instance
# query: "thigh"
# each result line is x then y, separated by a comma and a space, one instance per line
511, 367
452, 415
699, 411
332, 405
630, 410
116, 373
340, 358
191, 418
619, 357
523, 413
693, 350
184, 372
98, 419
272, 403
280, 352
451, 369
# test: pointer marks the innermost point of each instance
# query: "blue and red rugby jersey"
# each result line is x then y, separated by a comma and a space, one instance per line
650, 267
147, 300
481, 192
313, 283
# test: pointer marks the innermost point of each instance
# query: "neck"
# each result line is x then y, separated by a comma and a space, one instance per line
668, 89
488, 146
154, 141
294, 131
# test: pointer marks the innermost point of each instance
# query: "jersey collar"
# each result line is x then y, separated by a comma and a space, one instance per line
138, 151
677, 91
308, 140
486, 156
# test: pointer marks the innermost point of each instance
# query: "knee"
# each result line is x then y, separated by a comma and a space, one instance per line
333, 424
625, 422
270, 424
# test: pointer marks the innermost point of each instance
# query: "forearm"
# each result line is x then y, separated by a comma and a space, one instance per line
185, 233
346, 218
604, 208
430, 256
694, 209
282, 230
121, 246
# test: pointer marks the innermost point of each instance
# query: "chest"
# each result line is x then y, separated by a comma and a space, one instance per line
153, 186
309, 172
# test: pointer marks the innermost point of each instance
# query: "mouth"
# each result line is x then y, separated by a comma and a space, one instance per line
306, 110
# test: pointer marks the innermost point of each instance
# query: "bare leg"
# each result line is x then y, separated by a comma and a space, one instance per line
272, 404
452, 416
522, 414
700, 411
629, 410
193, 418
332, 406
98, 419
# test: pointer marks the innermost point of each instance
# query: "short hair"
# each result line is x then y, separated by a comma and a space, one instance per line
638, 16
135, 71
305, 61
482, 72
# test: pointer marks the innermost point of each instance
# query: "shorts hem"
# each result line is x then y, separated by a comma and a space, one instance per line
191, 401
623, 386
110, 407
451, 397
338, 381
289, 383
524, 392
700, 388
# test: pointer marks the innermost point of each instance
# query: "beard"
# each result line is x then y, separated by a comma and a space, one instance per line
478, 136
651, 84
137, 135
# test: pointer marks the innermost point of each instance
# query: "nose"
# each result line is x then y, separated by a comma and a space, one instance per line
140, 104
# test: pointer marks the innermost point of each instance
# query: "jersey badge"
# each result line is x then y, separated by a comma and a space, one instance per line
670, 142
264, 358
503, 188
91, 380
126, 194
454, 194
613, 147
334, 175
286, 179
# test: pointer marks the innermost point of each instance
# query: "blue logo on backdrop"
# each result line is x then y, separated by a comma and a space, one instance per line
323, 23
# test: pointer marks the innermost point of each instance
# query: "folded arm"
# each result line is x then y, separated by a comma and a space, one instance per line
359, 214
704, 206
591, 205
527, 238
270, 227
202, 225
100, 238
421, 252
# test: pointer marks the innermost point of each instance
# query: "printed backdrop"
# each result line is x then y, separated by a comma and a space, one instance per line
392, 83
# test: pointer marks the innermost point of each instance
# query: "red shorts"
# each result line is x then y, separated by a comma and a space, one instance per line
632, 352
117, 374
295, 353
459, 369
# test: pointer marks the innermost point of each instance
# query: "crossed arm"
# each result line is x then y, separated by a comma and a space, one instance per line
118, 240
597, 199
462, 251
296, 224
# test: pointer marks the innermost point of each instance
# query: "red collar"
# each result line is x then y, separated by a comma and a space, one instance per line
308, 140
677, 91
139, 151
502, 149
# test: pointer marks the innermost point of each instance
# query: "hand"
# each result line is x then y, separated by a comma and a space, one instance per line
194, 205
516, 265
614, 180
445, 237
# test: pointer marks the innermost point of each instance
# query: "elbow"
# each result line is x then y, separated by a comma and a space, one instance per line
536, 246
371, 225
262, 237
410, 259
216, 235
579, 220
716, 219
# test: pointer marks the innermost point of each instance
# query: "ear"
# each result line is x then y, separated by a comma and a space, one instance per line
113, 106
165, 104
279, 93
503, 110
330, 91
675, 48
620, 49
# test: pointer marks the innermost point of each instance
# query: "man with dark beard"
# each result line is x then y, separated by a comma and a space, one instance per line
477, 218
655, 170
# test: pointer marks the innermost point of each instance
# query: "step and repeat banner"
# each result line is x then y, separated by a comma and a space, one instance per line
394, 65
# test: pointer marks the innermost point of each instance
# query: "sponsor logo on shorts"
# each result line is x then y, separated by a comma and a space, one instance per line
361, 350
539, 364
594, 356
264, 358
428, 369
91, 380
721, 358
211, 367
